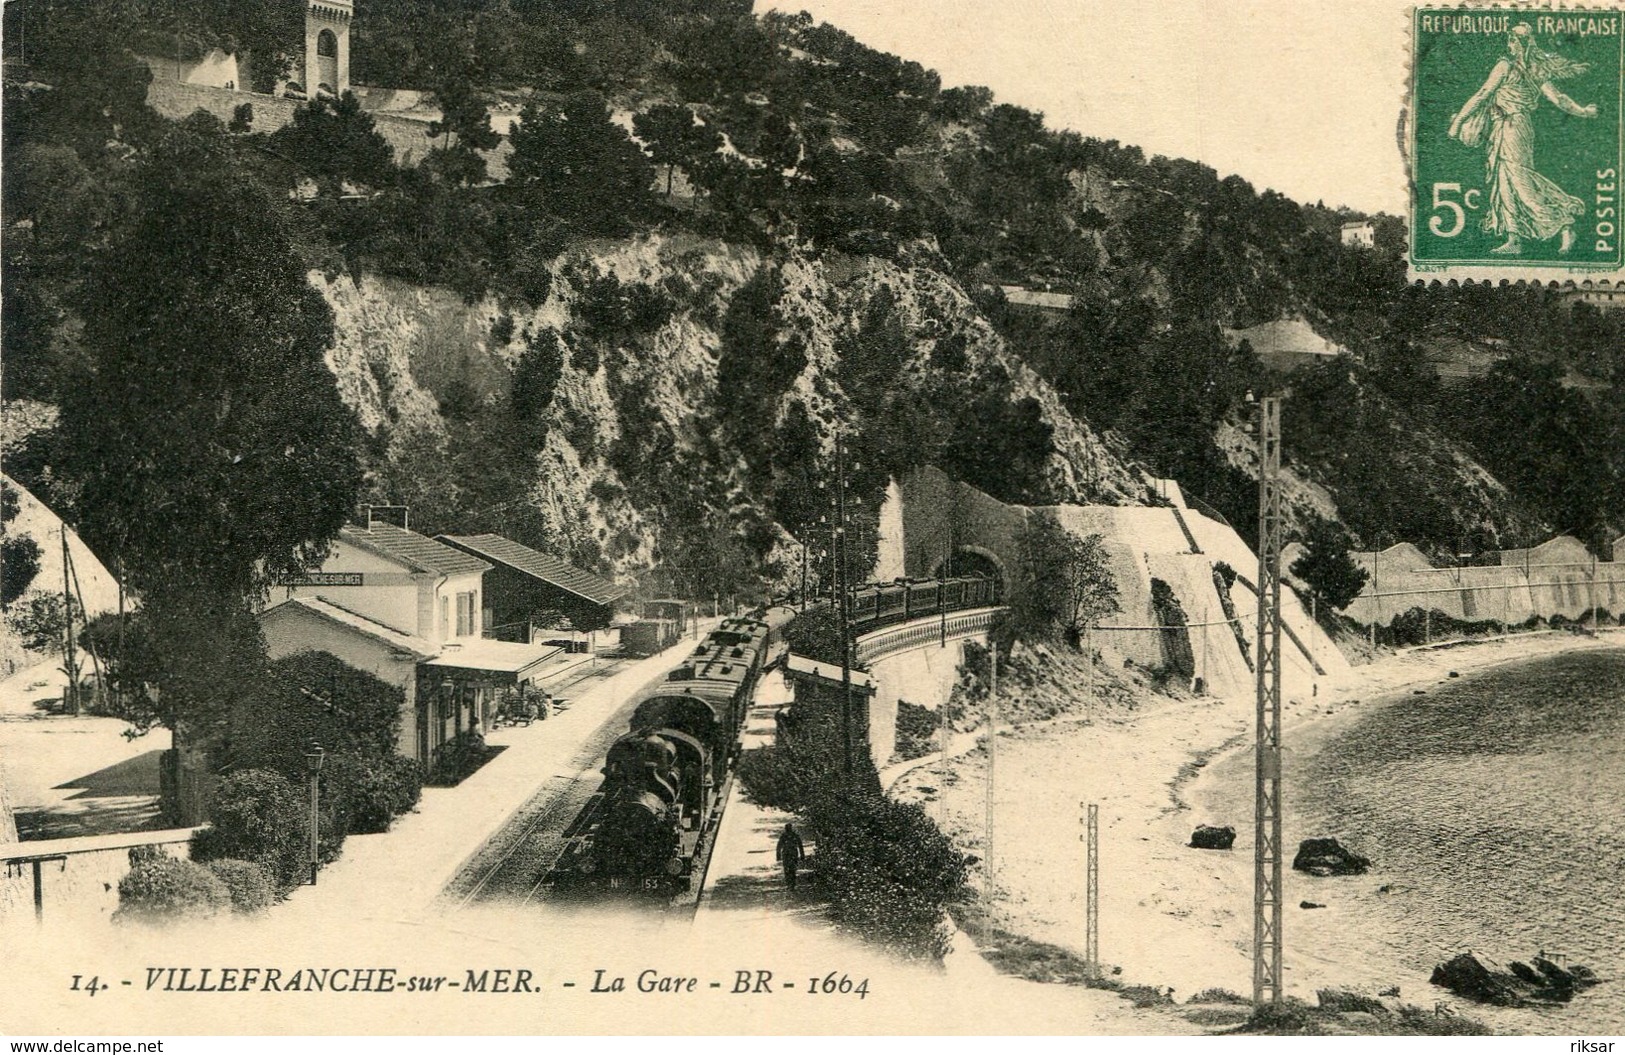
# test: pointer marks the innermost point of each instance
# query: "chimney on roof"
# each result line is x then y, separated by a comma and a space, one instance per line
397, 515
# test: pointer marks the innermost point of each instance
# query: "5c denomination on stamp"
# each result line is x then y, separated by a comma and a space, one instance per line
1515, 143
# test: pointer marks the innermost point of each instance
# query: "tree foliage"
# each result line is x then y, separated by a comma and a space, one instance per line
1064, 583
207, 434
463, 129
579, 163
675, 137
19, 554
204, 441
336, 141
1326, 566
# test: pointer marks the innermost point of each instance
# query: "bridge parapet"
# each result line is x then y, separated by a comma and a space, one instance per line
921, 632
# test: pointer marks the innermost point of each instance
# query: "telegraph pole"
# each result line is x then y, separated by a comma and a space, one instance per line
1091, 896
1267, 880
842, 606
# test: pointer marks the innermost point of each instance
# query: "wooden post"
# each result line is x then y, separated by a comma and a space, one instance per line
70, 660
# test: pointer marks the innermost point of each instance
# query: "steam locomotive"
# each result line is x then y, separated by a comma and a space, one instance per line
649, 825
664, 778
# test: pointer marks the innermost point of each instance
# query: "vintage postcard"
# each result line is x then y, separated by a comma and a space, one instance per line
931, 517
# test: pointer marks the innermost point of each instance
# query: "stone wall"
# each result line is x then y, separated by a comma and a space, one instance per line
407, 137
1558, 577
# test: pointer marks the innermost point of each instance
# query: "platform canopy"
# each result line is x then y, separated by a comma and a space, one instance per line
502, 662
800, 668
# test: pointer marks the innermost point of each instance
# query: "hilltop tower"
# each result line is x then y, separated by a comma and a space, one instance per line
327, 46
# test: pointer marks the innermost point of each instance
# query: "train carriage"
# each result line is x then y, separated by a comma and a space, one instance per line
664, 779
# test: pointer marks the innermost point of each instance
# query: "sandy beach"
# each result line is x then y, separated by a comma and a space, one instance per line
1172, 916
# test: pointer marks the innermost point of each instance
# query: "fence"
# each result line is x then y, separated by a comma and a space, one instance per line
920, 633
76, 877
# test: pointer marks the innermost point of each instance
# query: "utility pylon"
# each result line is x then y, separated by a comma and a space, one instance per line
1091, 896
842, 608
1267, 889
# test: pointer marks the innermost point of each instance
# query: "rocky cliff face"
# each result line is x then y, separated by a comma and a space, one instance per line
414, 362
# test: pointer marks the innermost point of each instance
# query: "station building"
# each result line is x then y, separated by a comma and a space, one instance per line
526, 591
411, 611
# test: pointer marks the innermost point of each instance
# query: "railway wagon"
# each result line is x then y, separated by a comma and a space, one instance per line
875, 604
663, 624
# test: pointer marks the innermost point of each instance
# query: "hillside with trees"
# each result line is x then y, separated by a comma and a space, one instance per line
722, 237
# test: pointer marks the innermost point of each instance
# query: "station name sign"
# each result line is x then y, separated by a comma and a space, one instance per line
324, 578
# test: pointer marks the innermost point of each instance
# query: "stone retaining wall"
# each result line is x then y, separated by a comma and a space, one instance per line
407, 137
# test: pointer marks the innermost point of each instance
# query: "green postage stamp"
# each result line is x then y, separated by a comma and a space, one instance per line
1515, 132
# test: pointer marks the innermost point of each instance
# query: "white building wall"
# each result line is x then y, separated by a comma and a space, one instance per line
449, 589
388, 593
292, 629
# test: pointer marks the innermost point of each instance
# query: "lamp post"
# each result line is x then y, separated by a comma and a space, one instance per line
314, 757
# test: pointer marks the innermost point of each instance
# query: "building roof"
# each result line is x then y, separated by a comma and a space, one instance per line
504, 661
1354, 225
1037, 298
356, 622
418, 552
540, 566
802, 667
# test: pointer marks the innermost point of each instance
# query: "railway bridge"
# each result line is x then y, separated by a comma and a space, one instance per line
915, 661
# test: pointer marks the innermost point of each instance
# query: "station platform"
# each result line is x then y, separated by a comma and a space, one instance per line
400, 874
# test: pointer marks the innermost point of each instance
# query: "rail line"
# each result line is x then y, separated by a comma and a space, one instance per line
538, 826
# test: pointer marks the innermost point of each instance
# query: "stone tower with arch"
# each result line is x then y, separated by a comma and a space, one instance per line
327, 46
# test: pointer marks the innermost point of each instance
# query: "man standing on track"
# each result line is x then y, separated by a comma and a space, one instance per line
790, 853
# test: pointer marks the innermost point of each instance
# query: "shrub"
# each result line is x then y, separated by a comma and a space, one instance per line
502, 328
316, 696
458, 758
140, 855
1289, 1018
258, 817
1341, 1000
1143, 996
249, 886
166, 888
773, 778
902, 919
916, 730
888, 871
373, 791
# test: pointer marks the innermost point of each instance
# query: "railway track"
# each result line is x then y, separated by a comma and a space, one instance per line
511, 864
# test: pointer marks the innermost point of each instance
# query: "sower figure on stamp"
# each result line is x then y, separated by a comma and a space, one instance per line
1522, 202
790, 853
